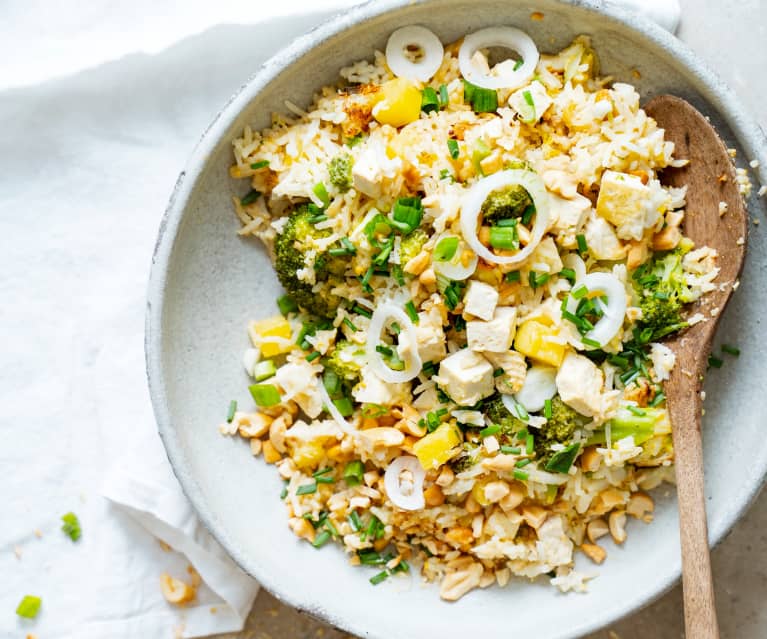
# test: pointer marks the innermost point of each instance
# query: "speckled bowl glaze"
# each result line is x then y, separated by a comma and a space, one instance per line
207, 282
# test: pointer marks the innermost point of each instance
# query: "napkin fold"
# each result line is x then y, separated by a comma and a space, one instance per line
147, 504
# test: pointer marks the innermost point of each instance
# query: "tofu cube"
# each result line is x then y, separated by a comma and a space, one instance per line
601, 239
430, 336
367, 175
496, 335
466, 376
623, 201
569, 216
480, 300
536, 94
580, 383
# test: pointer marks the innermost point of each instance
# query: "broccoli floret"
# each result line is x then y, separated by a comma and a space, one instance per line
505, 203
498, 414
662, 291
344, 361
340, 172
558, 429
290, 247
411, 246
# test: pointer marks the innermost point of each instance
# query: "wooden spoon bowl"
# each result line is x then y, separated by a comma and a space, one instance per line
710, 179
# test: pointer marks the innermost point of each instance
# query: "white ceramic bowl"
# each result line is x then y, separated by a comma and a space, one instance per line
207, 282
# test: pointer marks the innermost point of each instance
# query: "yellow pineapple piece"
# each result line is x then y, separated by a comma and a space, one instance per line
531, 340
276, 326
400, 103
436, 448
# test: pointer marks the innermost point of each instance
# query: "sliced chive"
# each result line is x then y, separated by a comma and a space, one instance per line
527, 214
522, 463
636, 411
350, 324
411, 312
353, 472
587, 341
322, 193
579, 292
354, 521
429, 100
444, 99
497, 372
714, 362
658, 399
396, 271
511, 450
529, 444
321, 539
381, 576
520, 474
361, 310
547, 409
284, 492
250, 197
323, 471
396, 329
232, 410
452, 146
316, 219
513, 276
730, 350
326, 480
344, 406
568, 274
518, 64
265, 395
330, 527
261, 164
490, 430
307, 489
367, 276
582, 246
312, 356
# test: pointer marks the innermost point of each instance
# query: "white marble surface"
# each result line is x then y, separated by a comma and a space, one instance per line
72, 281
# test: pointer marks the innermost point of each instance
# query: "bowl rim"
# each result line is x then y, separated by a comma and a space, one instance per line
745, 127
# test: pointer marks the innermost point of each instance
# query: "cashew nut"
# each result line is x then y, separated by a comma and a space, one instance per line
496, 490
596, 553
590, 459
456, 584
617, 521
595, 529
383, 436
277, 431
640, 504
459, 536
176, 591
516, 496
252, 424
534, 516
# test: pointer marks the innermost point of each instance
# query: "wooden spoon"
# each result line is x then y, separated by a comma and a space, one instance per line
710, 179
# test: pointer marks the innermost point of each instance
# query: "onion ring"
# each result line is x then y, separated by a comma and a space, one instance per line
614, 311
477, 195
508, 37
401, 66
383, 312
540, 385
406, 501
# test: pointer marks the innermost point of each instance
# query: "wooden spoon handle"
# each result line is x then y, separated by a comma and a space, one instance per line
699, 610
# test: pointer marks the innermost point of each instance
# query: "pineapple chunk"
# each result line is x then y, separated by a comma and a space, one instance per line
531, 341
436, 448
307, 454
276, 326
400, 103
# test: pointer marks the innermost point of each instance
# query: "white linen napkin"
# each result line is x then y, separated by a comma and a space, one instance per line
92, 157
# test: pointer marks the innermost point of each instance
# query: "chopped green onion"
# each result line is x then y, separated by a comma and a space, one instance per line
490, 430
286, 304
322, 193
511, 450
497, 372
326, 480
444, 99
316, 219
561, 461
730, 350
71, 526
321, 539
323, 471
383, 255
407, 214
411, 312
538, 280
445, 249
452, 146
331, 381
510, 222
547, 409
381, 576
370, 557
579, 292
429, 100
518, 64
396, 329
232, 410
658, 399
520, 475
360, 310
513, 276
503, 237
353, 472
587, 341
261, 164
529, 444
354, 521
568, 274
29, 607
265, 395
582, 246
617, 360
264, 370
250, 197
480, 152
636, 411
384, 350
366, 278
312, 356
396, 271
350, 324
344, 406
522, 463
714, 362
284, 492
307, 489
527, 214
481, 100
